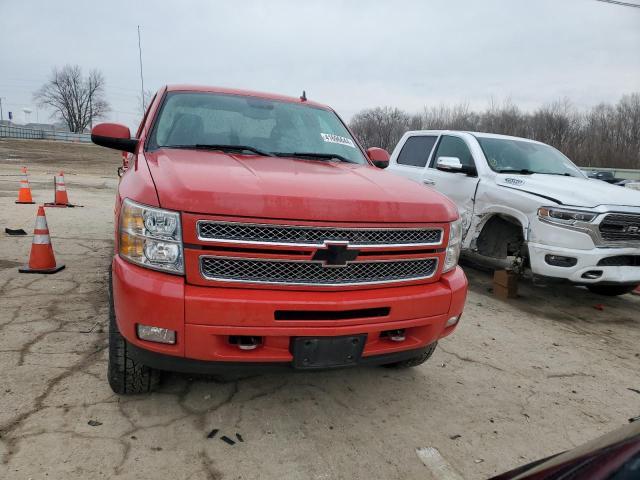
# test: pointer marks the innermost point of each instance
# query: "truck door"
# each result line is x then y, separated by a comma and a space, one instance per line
459, 187
414, 155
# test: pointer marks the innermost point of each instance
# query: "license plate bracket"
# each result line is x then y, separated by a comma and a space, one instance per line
327, 352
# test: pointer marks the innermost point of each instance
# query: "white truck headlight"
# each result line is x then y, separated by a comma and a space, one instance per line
453, 247
151, 237
564, 216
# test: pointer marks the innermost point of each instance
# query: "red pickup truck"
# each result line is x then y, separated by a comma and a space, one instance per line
252, 229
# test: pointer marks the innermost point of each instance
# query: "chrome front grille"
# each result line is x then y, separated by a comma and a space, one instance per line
620, 227
304, 272
316, 236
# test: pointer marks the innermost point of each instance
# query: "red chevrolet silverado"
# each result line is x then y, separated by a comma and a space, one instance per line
253, 230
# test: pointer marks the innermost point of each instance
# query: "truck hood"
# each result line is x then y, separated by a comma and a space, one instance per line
571, 191
218, 183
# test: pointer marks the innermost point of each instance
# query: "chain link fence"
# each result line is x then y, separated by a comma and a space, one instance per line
14, 131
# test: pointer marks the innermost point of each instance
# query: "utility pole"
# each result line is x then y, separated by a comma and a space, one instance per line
1, 116
144, 107
90, 104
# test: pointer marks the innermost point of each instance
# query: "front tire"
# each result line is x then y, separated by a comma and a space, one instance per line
415, 361
611, 290
126, 376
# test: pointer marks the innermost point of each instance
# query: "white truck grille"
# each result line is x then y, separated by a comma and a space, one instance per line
620, 227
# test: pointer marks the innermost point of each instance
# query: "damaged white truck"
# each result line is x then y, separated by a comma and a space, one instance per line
526, 207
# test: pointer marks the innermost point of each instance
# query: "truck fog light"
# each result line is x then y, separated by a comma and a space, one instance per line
560, 261
156, 334
452, 321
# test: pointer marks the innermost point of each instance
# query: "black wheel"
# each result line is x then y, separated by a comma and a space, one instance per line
415, 361
612, 290
126, 376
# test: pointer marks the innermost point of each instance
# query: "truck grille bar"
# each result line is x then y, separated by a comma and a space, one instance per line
620, 227
316, 236
304, 272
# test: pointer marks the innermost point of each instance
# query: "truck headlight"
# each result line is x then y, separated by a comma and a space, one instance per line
564, 216
453, 247
151, 237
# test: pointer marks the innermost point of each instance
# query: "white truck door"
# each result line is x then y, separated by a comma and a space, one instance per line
413, 156
459, 187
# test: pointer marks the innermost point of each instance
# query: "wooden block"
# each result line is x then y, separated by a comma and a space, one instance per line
505, 284
504, 292
505, 278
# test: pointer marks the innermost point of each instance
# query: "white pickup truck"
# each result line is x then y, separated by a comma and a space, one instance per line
525, 205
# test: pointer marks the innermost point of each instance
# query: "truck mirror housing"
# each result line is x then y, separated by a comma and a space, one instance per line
453, 164
379, 157
449, 164
114, 135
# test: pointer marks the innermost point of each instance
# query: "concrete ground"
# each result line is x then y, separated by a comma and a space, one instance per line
518, 380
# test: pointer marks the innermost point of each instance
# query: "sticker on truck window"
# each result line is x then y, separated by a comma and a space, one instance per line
331, 138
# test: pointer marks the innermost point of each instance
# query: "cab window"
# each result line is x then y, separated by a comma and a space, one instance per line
416, 150
453, 147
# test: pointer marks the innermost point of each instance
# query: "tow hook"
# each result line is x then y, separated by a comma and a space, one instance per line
394, 335
245, 342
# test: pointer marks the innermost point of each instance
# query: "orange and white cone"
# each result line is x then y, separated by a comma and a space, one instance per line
24, 194
60, 198
41, 259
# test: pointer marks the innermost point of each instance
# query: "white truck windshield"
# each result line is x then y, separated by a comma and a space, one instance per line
516, 156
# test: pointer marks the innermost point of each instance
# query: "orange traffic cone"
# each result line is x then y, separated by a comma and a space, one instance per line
24, 194
60, 199
41, 259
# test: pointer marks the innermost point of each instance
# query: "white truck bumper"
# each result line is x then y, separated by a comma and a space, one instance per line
586, 269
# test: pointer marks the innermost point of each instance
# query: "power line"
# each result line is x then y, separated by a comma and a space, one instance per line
624, 4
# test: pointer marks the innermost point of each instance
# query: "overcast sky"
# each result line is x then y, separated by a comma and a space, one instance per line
349, 54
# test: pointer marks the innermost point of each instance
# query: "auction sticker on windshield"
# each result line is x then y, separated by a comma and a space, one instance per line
331, 138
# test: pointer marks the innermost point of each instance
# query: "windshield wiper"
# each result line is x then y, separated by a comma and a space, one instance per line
224, 148
320, 156
523, 171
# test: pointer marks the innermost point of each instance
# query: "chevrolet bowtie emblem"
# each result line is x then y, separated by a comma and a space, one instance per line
335, 254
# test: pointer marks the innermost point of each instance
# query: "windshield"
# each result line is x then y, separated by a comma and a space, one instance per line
507, 155
191, 119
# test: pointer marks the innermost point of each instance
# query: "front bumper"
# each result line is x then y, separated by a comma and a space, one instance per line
189, 365
205, 317
587, 261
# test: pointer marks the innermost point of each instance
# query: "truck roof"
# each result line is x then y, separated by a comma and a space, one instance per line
247, 93
475, 134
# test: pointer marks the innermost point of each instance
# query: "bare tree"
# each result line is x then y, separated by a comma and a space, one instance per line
443, 117
77, 100
381, 126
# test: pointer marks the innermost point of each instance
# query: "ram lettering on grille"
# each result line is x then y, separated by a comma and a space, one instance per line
620, 227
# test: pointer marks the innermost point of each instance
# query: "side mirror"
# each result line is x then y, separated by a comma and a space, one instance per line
449, 164
454, 165
114, 135
378, 156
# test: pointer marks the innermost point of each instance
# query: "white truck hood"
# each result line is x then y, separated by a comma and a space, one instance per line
571, 191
